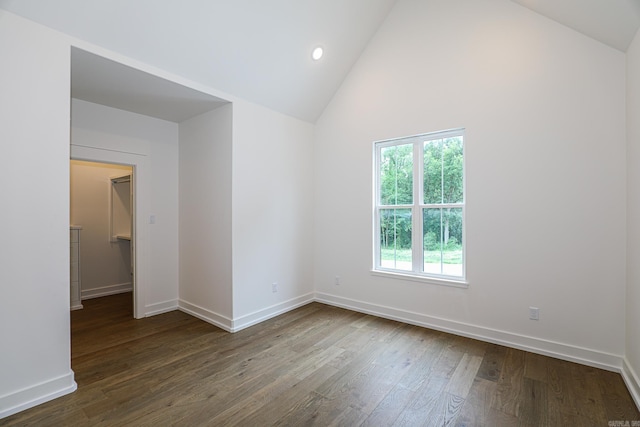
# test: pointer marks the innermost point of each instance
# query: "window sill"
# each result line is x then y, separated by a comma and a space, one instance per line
422, 279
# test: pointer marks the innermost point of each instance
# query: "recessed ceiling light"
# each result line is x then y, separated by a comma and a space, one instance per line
317, 53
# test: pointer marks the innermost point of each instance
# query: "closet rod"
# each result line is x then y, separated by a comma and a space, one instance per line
118, 180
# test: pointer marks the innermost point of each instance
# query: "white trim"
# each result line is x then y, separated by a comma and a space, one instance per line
161, 307
429, 136
34, 395
57, 387
103, 291
208, 316
418, 206
261, 315
243, 322
584, 356
410, 275
141, 174
631, 380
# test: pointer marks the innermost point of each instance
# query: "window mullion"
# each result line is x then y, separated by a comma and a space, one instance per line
376, 208
443, 206
377, 237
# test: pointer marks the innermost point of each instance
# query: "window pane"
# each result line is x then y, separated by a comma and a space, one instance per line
432, 243
395, 239
452, 160
443, 241
396, 175
433, 171
452, 242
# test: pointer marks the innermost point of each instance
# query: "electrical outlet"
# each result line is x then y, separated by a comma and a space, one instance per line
274, 287
534, 313
337, 281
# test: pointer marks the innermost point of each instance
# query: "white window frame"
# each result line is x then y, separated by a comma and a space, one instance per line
417, 235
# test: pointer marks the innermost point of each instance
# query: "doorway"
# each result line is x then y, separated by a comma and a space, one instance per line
140, 187
102, 216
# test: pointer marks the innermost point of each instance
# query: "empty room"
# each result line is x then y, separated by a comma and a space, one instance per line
339, 212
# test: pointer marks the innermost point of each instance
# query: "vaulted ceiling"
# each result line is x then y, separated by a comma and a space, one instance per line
259, 50
612, 22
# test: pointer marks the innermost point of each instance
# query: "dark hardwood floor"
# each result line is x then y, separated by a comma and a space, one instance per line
317, 365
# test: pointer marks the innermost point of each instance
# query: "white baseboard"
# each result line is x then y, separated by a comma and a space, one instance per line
57, 387
160, 307
106, 290
77, 307
242, 322
632, 381
250, 319
584, 356
35, 395
208, 316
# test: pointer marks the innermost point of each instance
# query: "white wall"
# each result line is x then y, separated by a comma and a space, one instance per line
245, 214
205, 216
34, 278
543, 108
105, 265
272, 213
110, 130
544, 111
633, 215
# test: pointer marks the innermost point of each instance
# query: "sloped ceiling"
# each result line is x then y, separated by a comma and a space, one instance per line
612, 22
259, 50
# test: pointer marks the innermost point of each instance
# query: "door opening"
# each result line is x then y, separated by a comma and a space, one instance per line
139, 184
102, 219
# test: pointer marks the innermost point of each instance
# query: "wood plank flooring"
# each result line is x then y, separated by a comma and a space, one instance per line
317, 365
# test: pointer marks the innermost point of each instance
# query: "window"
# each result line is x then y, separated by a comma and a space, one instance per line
419, 206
